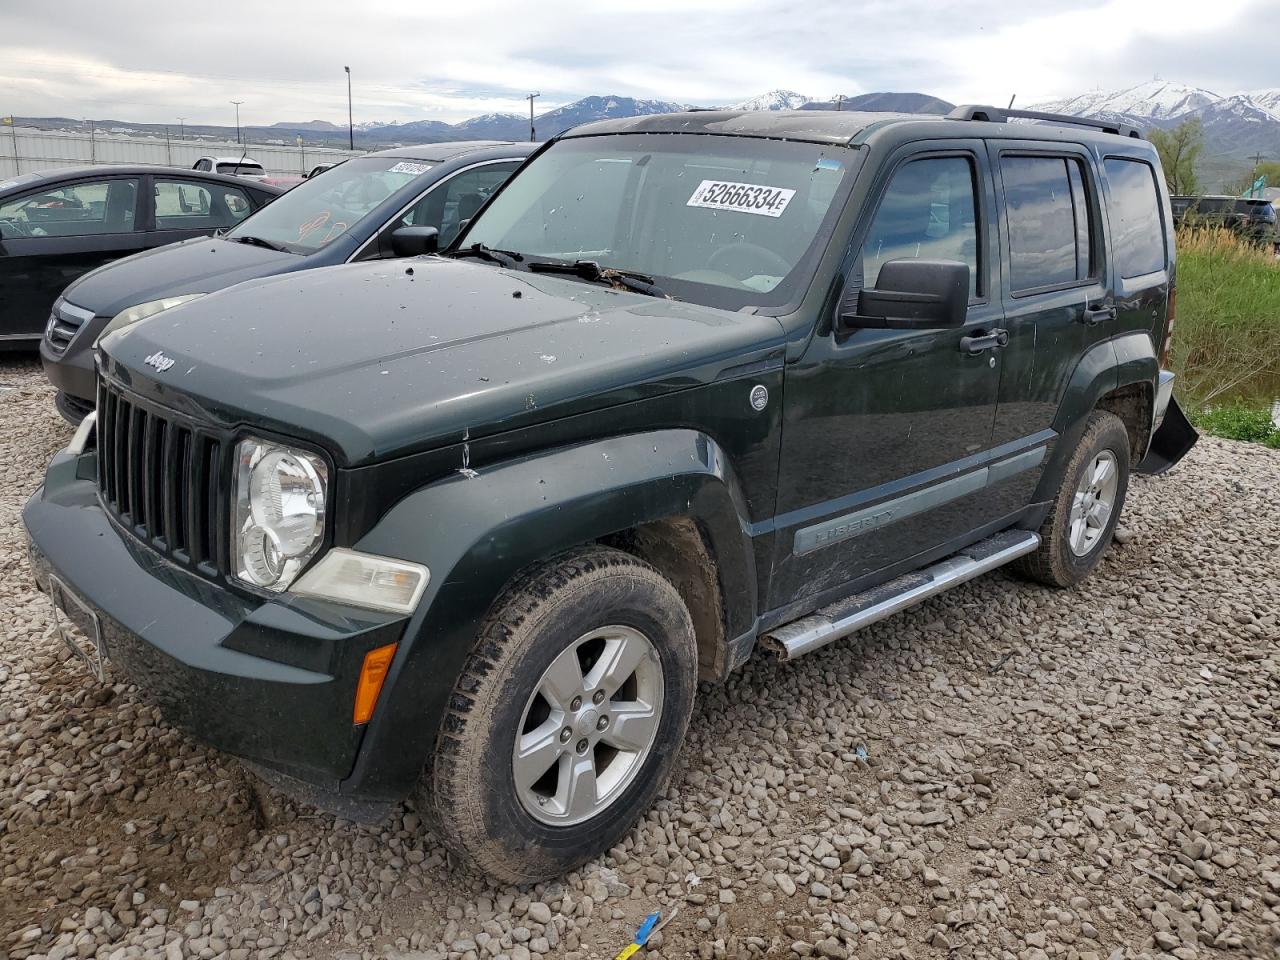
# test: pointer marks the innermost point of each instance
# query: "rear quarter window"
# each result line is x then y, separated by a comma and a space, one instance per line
1137, 229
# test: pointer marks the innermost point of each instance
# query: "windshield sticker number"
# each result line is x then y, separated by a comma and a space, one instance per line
743, 197
406, 166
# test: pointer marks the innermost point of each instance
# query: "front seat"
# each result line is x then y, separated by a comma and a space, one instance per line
121, 200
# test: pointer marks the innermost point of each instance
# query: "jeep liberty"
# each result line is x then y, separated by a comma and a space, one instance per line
472, 526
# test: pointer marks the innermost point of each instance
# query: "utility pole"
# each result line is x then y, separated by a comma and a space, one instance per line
1257, 159
530, 97
92, 144
237, 103
182, 128
351, 130
12, 122
839, 102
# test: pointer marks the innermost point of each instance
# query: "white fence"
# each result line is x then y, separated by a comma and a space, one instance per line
28, 150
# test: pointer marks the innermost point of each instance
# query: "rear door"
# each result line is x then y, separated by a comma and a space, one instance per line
1141, 247
1057, 295
187, 207
54, 234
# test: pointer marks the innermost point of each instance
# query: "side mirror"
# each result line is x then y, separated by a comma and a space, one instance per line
414, 241
911, 295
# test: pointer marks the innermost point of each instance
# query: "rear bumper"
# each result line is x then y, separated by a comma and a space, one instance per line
1172, 435
272, 681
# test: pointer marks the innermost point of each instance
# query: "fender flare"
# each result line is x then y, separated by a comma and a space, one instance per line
476, 530
1105, 367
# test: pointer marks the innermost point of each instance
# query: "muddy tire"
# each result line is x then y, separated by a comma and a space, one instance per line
568, 717
1086, 507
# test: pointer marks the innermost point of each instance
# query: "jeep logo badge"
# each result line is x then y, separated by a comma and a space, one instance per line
759, 397
163, 363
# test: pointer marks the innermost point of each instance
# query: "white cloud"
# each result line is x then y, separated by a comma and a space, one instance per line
134, 59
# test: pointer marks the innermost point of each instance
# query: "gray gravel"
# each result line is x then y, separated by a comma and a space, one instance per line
1006, 771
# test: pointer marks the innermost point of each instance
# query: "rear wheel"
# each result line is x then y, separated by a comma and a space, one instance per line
1086, 508
568, 717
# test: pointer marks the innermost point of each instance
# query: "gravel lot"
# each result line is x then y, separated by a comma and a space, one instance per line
1006, 771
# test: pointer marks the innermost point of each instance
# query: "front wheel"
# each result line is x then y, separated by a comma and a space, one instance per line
1087, 507
568, 717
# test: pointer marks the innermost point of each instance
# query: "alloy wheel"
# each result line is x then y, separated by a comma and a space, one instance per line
589, 725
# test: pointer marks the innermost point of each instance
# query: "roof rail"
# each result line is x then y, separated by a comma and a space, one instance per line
970, 111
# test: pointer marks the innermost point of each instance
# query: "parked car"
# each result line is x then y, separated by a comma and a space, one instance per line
320, 168
245, 167
349, 213
57, 226
1252, 218
691, 384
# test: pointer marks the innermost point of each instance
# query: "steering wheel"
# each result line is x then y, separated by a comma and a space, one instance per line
13, 229
764, 255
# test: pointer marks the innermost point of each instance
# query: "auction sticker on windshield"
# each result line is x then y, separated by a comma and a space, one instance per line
406, 166
743, 197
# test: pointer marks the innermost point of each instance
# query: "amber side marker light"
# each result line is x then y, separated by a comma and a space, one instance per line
372, 673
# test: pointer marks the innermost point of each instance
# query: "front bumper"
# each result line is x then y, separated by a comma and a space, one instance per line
73, 374
272, 681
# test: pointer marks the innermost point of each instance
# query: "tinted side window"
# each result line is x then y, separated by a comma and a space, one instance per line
75, 210
1136, 228
1049, 223
452, 203
929, 212
183, 205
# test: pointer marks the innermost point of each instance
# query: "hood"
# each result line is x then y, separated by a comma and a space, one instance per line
201, 265
387, 358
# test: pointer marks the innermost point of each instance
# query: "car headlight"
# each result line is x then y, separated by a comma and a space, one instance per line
279, 512
140, 311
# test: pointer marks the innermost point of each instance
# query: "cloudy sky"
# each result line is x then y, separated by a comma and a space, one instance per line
143, 61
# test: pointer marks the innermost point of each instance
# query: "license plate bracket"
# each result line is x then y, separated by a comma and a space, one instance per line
82, 634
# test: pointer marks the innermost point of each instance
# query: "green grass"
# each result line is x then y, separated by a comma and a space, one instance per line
1239, 420
1226, 341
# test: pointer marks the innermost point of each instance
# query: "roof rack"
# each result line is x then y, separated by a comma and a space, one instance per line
970, 111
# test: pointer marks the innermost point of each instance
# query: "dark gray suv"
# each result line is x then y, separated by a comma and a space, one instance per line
366, 208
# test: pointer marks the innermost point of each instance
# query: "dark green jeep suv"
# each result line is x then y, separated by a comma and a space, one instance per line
687, 387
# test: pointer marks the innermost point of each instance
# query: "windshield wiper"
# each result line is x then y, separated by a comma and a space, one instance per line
261, 242
590, 270
508, 258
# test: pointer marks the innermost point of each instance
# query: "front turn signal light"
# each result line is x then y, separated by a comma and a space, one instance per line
372, 674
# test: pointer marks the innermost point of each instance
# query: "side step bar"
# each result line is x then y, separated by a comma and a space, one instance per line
842, 618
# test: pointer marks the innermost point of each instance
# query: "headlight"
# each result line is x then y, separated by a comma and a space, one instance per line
141, 311
279, 512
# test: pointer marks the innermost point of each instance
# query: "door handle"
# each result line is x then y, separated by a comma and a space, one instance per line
1095, 315
995, 340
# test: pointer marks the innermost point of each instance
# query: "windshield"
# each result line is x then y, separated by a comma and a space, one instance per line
724, 221
317, 211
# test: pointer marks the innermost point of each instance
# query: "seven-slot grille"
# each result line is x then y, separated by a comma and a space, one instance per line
64, 323
160, 476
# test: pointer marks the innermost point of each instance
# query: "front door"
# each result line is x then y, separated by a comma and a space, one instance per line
886, 431
53, 235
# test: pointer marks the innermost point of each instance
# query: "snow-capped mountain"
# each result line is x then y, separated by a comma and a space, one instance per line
885, 102
1236, 128
1154, 100
494, 126
1268, 100
773, 100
